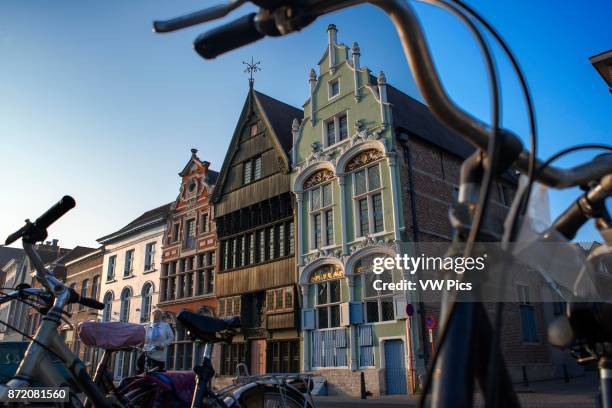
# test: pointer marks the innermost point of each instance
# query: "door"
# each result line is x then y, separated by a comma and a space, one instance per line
395, 368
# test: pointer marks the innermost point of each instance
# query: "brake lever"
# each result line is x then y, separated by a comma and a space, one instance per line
198, 17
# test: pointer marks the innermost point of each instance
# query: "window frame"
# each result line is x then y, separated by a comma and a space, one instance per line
255, 169
145, 312
380, 295
368, 195
336, 118
107, 313
125, 304
149, 258
330, 85
128, 261
84, 290
526, 307
321, 211
111, 270
329, 305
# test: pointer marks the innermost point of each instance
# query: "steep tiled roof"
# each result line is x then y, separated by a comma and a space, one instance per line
76, 252
148, 217
415, 117
212, 176
281, 116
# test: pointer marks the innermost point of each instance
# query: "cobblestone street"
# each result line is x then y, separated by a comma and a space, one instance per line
578, 393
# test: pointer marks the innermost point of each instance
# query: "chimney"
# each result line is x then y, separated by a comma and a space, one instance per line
332, 41
382, 92
332, 34
382, 87
356, 54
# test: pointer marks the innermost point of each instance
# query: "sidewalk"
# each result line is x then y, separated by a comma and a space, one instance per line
578, 393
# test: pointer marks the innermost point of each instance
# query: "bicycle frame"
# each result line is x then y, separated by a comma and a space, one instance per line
36, 363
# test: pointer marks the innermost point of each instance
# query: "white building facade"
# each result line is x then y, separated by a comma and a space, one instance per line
130, 276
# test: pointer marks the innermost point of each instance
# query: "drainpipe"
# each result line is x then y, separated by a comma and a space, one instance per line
403, 139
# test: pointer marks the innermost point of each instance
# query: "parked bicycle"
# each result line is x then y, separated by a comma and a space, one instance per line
140, 391
468, 339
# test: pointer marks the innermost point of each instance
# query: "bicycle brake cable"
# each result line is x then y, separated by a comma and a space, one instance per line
27, 336
492, 148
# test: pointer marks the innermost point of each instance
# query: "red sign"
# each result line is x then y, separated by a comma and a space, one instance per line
430, 322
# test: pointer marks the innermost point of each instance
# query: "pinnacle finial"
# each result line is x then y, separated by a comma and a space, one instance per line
194, 151
295, 125
382, 79
251, 68
356, 50
313, 75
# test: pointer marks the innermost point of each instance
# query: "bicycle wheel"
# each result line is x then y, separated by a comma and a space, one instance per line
286, 398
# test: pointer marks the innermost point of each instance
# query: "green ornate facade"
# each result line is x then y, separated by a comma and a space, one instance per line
346, 182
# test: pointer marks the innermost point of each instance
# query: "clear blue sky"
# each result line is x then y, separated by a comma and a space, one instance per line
95, 105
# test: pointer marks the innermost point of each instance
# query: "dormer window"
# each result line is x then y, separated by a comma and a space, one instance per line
334, 88
336, 129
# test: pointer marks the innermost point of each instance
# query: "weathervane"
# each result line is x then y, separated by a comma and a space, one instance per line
251, 68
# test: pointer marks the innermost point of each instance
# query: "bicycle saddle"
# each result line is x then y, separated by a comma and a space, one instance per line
206, 328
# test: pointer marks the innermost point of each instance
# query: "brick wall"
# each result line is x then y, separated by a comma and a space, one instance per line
436, 176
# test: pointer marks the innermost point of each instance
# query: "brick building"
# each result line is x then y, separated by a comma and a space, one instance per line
187, 278
61, 271
84, 274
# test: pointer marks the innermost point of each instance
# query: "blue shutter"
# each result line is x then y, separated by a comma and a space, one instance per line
316, 349
365, 335
340, 337
356, 312
308, 319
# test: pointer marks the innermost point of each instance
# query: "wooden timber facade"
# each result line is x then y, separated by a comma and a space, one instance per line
253, 207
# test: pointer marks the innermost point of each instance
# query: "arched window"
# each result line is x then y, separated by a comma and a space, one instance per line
124, 311
108, 307
327, 295
84, 290
69, 307
95, 287
320, 208
378, 304
367, 191
146, 300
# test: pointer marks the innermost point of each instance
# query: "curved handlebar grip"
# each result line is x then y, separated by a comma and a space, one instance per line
54, 213
568, 223
227, 37
92, 303
85, 301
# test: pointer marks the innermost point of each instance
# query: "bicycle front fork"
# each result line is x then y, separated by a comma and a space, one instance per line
204, 375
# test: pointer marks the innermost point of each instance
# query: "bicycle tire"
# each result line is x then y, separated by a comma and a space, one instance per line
284, 399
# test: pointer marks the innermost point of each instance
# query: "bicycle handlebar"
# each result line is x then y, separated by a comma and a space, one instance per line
85, 301
239, 32
37, 231
284, 17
